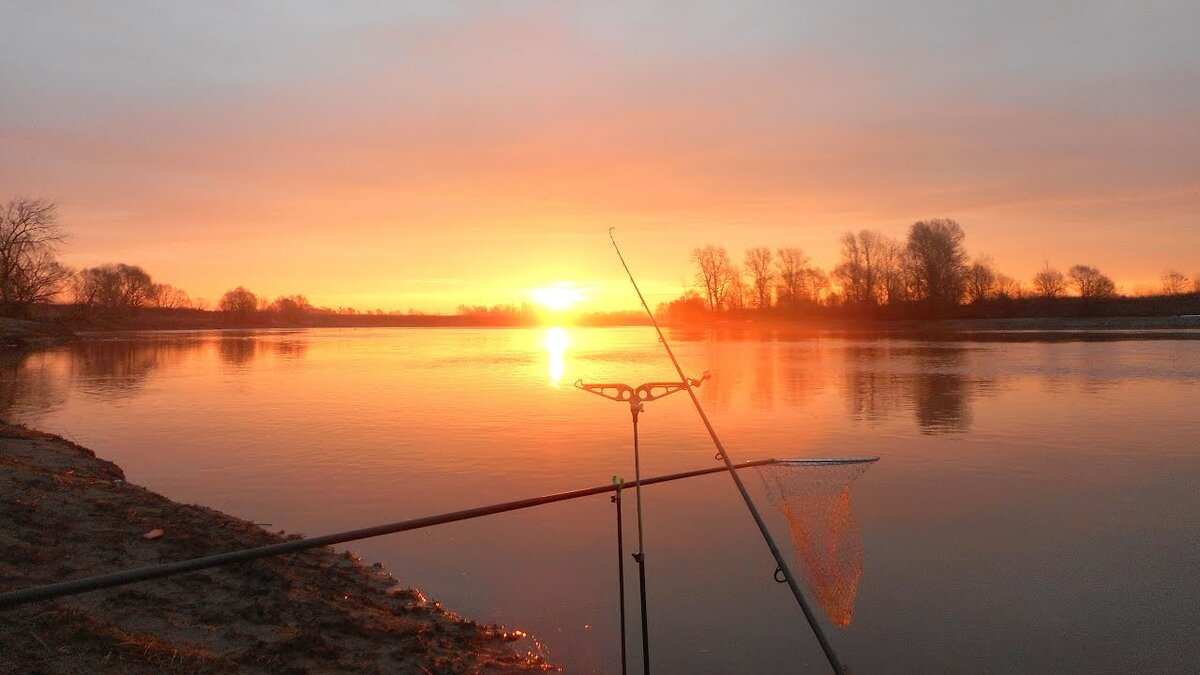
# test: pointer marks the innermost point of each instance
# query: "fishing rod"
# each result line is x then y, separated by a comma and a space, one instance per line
722, 454
24, 596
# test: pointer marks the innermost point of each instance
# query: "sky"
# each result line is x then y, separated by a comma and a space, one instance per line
425, 155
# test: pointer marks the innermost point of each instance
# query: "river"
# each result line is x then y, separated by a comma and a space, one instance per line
1036, 507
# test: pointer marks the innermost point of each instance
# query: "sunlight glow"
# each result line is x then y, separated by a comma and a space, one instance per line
556, 341
557, 298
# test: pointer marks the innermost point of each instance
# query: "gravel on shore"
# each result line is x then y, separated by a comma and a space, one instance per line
66, 514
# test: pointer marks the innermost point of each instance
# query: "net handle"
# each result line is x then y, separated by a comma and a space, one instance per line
823, 461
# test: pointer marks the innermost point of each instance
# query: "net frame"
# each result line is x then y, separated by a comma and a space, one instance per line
826, 535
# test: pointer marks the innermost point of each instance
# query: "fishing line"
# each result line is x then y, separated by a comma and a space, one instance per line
722, 454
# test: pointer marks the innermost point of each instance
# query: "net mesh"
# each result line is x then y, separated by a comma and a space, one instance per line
814, 497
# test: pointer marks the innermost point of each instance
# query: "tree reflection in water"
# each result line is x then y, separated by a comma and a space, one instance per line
291, 349
30, 382
885, 378
882, 378
238, 349
121, 367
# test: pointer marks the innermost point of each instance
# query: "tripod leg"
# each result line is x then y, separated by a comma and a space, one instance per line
621, 575
640, 556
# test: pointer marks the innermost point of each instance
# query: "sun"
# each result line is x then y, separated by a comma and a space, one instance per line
557, 298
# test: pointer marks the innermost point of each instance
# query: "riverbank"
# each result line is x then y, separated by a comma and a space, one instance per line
64, 514
17, 334
38, 333
1097, 329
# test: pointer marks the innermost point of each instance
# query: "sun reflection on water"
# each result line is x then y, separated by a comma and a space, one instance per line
556, 342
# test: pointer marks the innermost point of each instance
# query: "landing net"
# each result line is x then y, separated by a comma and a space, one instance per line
814, 496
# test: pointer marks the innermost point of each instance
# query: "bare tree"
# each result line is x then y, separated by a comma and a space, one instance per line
29, 239
240, 304
938, 261
790, 264
686, 307
714, 274
292, 308
115, 286
1174, 283
814, 284
1196, 283
737, 297
893, 271
758, 266
856, 272
860, 271
1007, 287
1049, 282
981, 280
1090, 283
167, 296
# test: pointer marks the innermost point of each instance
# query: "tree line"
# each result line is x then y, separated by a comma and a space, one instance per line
929, 270
31, 274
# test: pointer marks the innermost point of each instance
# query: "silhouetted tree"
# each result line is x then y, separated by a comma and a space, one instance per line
291, 308
981, 280
937, 261
1090, 283
29, 239
688, 307
1007, 287
1049, 282
1196, 283
813, 284
738, 295
167, 296
758, 266
714, 274
1174, 283
790, 264
115, 286
239, 304
893, 272
859, 272
496, 314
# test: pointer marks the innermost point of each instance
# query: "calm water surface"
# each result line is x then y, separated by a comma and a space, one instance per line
1036, 508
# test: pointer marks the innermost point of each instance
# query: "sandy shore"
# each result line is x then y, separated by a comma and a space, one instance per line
65, 514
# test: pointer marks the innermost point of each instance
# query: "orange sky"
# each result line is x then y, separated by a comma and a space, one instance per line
404, 157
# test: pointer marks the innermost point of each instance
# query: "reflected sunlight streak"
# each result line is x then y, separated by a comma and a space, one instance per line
556, 341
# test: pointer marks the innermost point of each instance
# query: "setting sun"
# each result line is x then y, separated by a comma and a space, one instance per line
557, 298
